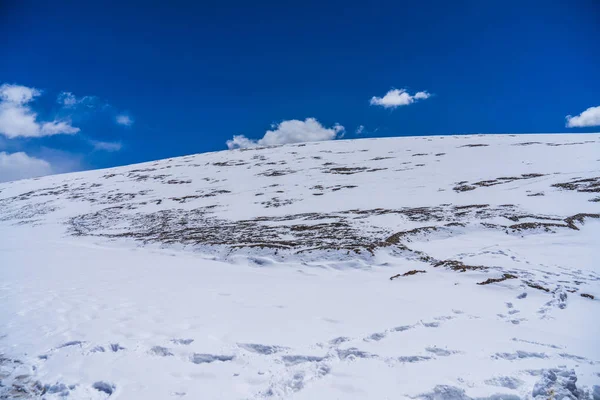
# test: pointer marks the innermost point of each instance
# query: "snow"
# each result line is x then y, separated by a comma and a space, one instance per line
219, 285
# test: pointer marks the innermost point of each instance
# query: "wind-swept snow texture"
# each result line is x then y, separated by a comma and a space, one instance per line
265, 273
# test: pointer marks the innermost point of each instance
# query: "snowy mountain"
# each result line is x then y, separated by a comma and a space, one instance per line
456, 267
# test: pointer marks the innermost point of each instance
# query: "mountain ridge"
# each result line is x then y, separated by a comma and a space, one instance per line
425, 267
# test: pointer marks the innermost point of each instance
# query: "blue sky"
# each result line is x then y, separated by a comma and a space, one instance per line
185, 79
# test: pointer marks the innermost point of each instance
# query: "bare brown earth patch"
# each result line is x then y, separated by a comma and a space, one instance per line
536, 286
587, 185
496, 280
409, 273
459, 266
465, 186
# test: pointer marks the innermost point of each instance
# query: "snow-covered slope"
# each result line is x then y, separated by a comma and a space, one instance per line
433, 267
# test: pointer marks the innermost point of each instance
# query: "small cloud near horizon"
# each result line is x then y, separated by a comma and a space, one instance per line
290, 131
588, 118
398, 97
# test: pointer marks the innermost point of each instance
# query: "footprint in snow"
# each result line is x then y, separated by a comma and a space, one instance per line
511, 311
438, 351
375, 337
160, 351
114, 347
198, 358
576, 358
261, 348
518, 355
104, 387
339, 340
184, 342
299, 359
517, 321
402, 328
413, 359
353, 353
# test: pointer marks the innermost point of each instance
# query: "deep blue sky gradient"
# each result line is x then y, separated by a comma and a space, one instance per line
194, 73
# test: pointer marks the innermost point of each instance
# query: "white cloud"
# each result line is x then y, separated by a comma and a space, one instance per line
360, 130
124, 119
69, 100
291, 131
398, 97
590, 117
106, 146
57, 127
241, 142
16, 94
19, 165
17, 119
